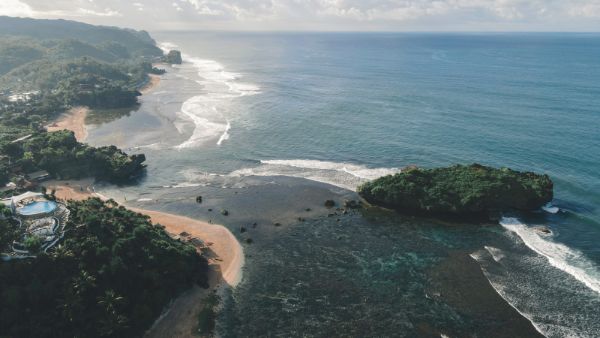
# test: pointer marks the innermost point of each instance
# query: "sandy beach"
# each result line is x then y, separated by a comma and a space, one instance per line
74, 120
153, 81
227, 252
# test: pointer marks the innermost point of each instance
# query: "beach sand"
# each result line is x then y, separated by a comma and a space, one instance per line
225, 255
153, 81
73, 120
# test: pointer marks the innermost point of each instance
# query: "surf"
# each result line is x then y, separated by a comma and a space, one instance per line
341, 174
558, 255
208, 111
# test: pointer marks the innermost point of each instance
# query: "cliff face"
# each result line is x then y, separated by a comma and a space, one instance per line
459, 190
174, 57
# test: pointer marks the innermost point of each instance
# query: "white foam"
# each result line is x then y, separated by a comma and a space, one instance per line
344, 175
549, 208
144, 200
559, 255
496, 253
225, 135
206, 111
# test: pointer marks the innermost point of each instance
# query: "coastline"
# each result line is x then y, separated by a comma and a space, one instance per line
74, 120
153, 81
225, 256
225, 253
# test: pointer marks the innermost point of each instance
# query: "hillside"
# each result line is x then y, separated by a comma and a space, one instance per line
138, 43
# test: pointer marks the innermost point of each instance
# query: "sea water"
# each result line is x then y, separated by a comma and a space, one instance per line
341, 109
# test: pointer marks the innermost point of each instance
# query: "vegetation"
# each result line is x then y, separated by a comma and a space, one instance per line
62, 156
459, 190
111, 277
49, 66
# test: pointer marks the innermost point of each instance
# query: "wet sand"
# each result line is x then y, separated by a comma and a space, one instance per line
153, 81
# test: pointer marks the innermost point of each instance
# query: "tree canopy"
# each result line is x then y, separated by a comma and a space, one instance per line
459, 189
111, 276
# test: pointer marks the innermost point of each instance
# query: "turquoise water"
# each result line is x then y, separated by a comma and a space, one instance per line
344, 108
35, 208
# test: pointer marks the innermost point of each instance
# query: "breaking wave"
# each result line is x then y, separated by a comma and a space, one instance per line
344, 175
559, 255
207, 111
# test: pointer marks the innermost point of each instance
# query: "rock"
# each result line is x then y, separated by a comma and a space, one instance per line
329, 203
307, 209
249, 240
254, 224
224, 212
301, 219
199, 199
460, 190
543, 230
277, 224
242, 229
209, 209
173, 57
351, 204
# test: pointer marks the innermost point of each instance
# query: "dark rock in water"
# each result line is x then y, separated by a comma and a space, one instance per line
199, 199
459, 190
301, 219
224, 212
329, 203
543, 230
209, 209
351, 204
242, 229
277, 224
173, 57
249, 240
307, 209
254, 225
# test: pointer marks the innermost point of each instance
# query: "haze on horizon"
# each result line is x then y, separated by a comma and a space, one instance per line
321, 15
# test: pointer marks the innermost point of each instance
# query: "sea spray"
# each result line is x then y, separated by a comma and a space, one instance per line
559, 255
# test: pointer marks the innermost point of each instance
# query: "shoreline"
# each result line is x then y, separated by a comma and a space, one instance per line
74, 120
153, 82
225, 256
228, 252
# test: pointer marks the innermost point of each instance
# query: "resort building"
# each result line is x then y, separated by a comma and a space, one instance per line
39, 220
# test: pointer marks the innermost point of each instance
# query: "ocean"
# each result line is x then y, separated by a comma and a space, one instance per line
270, 124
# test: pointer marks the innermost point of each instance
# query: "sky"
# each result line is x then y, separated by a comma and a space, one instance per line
321, 15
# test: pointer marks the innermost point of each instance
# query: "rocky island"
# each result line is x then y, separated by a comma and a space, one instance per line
459, 190
173, 57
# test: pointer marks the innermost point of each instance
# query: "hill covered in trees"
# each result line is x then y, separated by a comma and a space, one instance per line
62, 156
49, 66
111, 276
459, 190
71, 63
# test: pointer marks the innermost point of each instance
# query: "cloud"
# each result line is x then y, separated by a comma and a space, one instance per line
15, 8
320, 14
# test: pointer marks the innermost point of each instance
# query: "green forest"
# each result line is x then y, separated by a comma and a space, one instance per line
111, 276
459, 190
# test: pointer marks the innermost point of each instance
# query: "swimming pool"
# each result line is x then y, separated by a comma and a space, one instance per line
37, 208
